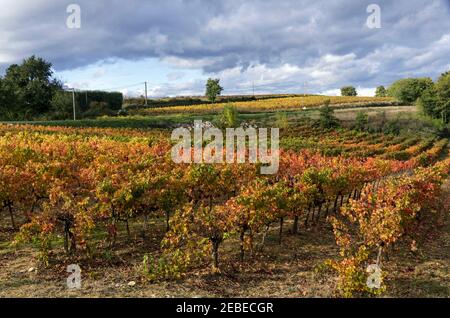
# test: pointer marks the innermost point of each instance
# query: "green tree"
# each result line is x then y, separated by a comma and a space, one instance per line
348, 91
3, 99
435, 101
62, 106
443, 85
443, 93
326, 116
31, 87
381, 91
428, 103
213, 89
408, 90
7, 102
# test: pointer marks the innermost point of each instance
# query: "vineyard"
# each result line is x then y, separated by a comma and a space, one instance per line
274, 104
76, 191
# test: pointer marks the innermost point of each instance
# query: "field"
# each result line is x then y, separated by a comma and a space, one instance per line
224, 157
112, 201
133, 103
276, 104
279, 274
160, 121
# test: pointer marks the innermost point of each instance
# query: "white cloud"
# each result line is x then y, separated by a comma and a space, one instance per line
364, 91
331, 92
280, 46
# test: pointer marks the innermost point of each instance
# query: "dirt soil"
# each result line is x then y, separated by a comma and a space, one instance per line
288, 270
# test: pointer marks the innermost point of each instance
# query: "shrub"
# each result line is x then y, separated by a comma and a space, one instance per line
399, 155
326, 116
97, 109
228, 118
392, 127
122, 112
361, 121
281, 120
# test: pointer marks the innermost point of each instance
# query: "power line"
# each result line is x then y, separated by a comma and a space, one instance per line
122, 87
104, 89
86, 91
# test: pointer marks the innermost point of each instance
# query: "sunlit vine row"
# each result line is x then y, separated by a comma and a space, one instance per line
65, 183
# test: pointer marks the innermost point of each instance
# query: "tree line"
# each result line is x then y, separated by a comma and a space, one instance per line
29, 91
432, 98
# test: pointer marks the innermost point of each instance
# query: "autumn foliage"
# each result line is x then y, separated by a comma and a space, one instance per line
61, 182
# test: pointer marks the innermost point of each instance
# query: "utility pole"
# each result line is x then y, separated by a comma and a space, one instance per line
146, 94
87, 106
73, 102
306, 87
253, 86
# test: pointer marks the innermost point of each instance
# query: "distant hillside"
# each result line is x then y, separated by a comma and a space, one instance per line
136, 103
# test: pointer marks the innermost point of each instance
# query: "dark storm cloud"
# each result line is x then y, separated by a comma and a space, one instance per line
220, 35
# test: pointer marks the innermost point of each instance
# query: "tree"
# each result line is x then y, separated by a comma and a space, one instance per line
348, 91
443, 93
443, 85
381, 91
3, 99
326, 116
31, 87
61, 106
2, 94
428, 103
435, 100
408, 90
7, 102
213, 89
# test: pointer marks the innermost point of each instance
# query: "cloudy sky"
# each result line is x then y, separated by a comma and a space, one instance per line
279, 46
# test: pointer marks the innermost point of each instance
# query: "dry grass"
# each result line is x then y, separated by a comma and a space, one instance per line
391, 112
271, 105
